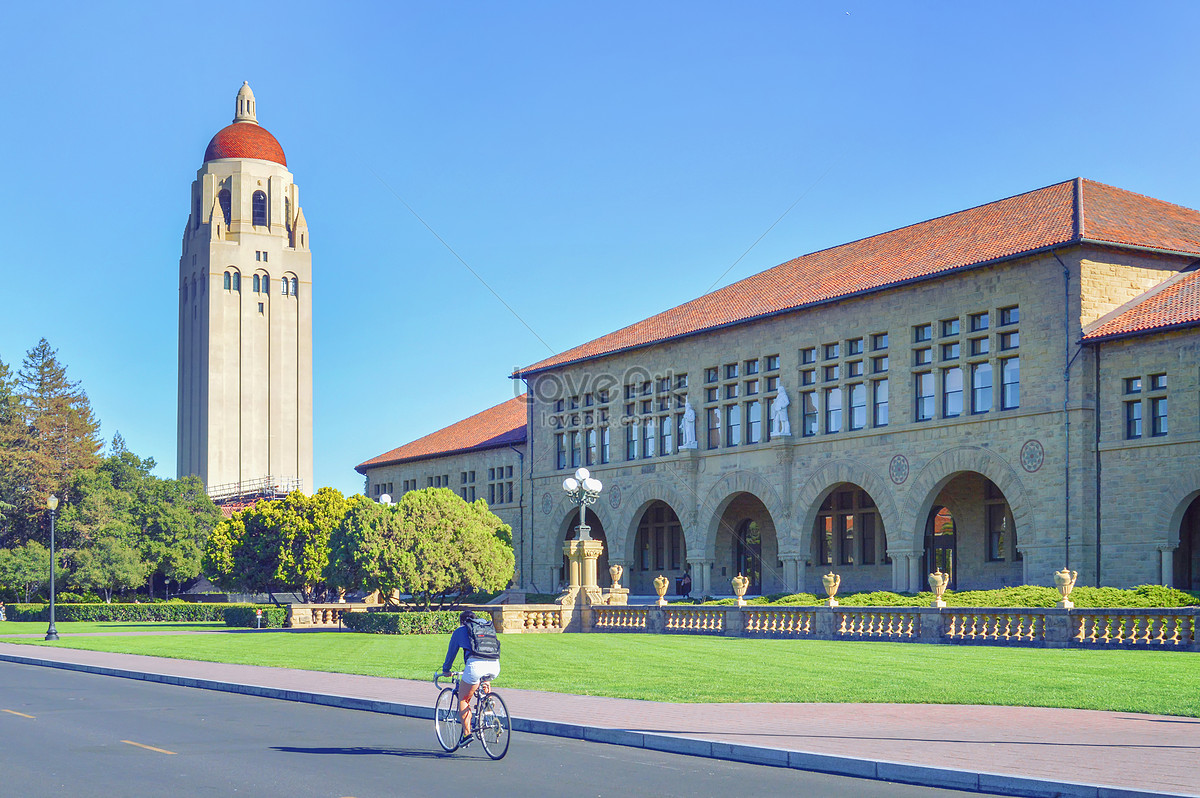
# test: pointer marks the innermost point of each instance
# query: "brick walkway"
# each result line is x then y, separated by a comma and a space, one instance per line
1010, 750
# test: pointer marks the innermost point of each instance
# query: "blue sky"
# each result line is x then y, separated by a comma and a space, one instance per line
592, 163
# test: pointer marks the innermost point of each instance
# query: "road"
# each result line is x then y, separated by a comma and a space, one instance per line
64, 733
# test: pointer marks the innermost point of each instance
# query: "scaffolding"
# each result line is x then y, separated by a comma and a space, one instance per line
234, 496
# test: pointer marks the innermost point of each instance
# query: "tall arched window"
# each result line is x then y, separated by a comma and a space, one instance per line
237, 282
260, 209
287, 213
295, 287
266, 284
256, 286
226, 204
185, 290
228, 281
283, 286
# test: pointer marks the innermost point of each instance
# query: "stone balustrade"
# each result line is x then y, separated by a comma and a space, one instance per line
301, 616
1167, 629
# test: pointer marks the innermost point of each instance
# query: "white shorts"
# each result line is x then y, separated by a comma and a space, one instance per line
477, 669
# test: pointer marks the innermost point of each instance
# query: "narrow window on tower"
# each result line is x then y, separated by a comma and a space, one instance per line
227, 282
295, 287
226, 204
257, 284
284, 286
237, 282
260, 209
266, 285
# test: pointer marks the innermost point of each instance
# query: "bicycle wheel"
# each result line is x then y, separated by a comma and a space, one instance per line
445, 719
495, 727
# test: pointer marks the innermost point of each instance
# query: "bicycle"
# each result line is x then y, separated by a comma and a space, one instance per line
489, 718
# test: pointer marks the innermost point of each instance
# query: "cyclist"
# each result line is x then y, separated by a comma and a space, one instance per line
475, 669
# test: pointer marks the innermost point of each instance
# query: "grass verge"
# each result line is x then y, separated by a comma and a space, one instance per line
680, 668
103, 627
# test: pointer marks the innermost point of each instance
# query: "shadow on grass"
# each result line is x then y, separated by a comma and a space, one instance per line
411, 753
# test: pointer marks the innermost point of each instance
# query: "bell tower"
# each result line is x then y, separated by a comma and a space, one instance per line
245, 319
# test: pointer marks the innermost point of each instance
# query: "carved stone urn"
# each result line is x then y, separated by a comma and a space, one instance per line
615, 572
832, 582
937, 583
740, 585
660, 587
1064, 580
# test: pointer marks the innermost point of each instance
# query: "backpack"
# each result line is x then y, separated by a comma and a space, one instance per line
484, 643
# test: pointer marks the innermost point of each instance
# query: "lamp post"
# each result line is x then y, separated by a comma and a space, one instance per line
52, 505
583, 489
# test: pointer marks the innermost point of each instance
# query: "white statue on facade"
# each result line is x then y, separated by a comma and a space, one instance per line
688, 433
780, 426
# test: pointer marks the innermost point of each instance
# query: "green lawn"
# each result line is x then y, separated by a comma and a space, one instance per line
698, 668
73, 627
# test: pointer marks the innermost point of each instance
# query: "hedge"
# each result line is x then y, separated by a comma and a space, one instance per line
402, 623
1019, 596
246, 615
173, 611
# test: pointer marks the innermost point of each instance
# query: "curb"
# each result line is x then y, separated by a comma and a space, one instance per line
878, 770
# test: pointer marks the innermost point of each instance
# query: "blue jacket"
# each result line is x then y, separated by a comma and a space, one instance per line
460, 639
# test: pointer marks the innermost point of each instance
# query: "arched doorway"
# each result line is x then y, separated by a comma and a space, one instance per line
746, 543
659, 548
1186, 569
941, 544
849, 537
596, 533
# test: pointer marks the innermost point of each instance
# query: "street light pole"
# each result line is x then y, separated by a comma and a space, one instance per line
583, 489
52, 505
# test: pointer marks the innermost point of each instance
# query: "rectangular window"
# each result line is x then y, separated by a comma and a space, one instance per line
731, 371
858, 405
879, 364
1010, 340
831, 351
1010, 383
751, 387
772, 362
714, 428
753, 422
879, 341
666, 435
574, 438
922, 357
854, 368
867, 520
605, 450
772, 384
733, 425
831, 373
854, 346
649, 436
808, 405
631, 442
711, 394
949, 327
952, 392
846, 541
1158, 415
681, 381
995, 526
833, 410
591, 447
922, 332
979, 321
980, 346
492, 493
1133, 385
710, 375
1158, 382
924, 392
950, 351
1009, 315
560, 447
1133, 420
808, 355
464, 478
879, 403
808, 377
752, 366
731, 391
675, 534
981, 387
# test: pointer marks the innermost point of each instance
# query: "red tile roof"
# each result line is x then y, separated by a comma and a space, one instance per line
244, 140
497, 426
1071, 212
1175, 303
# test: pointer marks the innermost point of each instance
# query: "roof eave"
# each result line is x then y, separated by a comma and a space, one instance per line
362, 468
1099, 339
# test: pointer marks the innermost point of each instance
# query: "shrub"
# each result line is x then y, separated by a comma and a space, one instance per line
173, 612
1017, 596
246, 615
402, 623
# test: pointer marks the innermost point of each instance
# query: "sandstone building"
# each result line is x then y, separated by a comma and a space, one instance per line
1000, 392
245, 319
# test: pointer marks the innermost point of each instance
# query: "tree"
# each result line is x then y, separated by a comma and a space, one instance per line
111, 564
25, 569
432, 544
280, 545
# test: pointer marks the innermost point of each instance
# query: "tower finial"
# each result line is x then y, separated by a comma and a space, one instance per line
244, 110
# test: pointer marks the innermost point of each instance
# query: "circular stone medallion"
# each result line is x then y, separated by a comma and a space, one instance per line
547, 503
1032, 456
898, 469
614, 497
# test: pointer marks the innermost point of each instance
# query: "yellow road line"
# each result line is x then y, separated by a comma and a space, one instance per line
22, 714
149, 747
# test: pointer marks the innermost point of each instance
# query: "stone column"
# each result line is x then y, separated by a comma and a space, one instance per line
1166, 555
914, 573
582, 556
793, 572
702, 577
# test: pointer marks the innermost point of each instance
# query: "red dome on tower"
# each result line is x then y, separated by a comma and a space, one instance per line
244, 140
